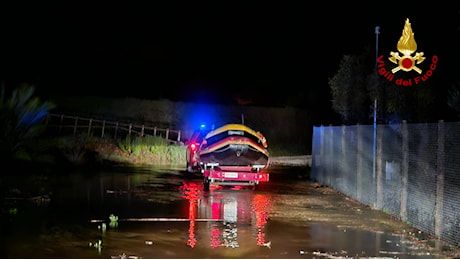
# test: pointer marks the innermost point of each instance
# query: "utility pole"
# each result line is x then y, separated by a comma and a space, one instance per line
377, 32
374, 141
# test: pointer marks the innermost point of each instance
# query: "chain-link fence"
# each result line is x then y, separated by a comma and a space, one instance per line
411, 171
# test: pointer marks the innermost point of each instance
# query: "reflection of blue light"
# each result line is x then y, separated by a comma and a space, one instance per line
203, 126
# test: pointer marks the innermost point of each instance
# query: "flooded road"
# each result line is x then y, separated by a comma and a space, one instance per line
163, 213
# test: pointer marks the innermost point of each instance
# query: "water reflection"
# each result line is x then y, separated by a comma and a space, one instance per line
225, 209
163, 214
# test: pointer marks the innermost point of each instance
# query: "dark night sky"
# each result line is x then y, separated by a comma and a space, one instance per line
272, 52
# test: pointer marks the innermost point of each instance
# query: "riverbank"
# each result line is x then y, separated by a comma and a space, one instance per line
110, 153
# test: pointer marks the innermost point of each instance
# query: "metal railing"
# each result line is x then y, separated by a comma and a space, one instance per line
60, 124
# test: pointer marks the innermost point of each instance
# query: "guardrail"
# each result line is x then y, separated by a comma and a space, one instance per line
60, 124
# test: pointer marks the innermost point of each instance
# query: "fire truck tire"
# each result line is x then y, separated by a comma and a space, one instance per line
206, 183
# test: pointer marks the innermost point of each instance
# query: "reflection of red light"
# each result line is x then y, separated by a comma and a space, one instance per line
191, 191
260, 237
215, 237
219, 206
215, 211
193, 147
193, 205
260, 205
191, 235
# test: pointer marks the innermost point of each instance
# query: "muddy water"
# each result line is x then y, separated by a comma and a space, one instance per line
160, 213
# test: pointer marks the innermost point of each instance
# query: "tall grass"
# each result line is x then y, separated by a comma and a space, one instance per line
155, 149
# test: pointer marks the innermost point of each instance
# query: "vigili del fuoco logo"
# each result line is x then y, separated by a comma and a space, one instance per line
407, 59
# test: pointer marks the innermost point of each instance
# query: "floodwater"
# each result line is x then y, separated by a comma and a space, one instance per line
162, 213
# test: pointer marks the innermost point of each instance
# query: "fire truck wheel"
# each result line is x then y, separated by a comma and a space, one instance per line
206, 183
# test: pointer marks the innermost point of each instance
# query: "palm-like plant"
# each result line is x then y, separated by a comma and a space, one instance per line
22, 118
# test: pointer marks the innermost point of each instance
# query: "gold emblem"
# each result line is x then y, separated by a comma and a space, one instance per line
407, 46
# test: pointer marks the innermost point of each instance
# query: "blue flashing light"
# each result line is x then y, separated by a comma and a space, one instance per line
200, 116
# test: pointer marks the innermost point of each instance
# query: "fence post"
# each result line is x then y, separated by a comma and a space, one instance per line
167, 134
116, 129
359, 161
155, 131
331, 154
75, 126
439, 180
142, 130
178, 136
47, 119
103, 128
322, 151
89, 126
343, 183
60, 124
404, 171
129, 130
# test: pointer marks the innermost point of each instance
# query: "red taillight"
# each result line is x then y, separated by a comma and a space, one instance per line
193, 147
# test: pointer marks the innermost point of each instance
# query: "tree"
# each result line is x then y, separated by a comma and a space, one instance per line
396, 103
453, 98
348, 88
356, 85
